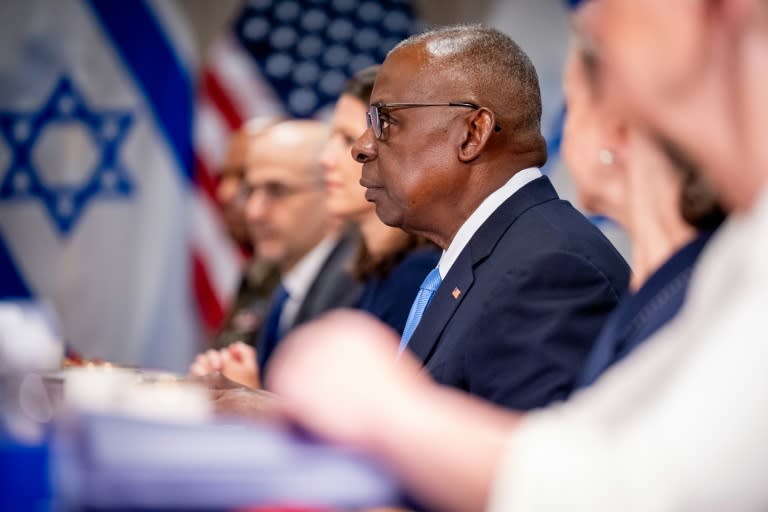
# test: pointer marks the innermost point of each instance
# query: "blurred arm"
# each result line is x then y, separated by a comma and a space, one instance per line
340, 378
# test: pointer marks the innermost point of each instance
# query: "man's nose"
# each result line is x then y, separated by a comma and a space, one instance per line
364, 149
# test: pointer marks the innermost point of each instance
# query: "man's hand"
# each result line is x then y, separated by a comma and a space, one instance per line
205, 363
236, 362
341, 378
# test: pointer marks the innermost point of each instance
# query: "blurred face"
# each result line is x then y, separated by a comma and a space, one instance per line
285, 207
410, 172
646, 46
666, 64
584, 137
346, 197
228, 191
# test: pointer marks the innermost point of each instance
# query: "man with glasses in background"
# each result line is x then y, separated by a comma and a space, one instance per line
287, 219
248, 307
452, 153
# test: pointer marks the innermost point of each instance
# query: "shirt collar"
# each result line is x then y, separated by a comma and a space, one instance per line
300, 278
481, 214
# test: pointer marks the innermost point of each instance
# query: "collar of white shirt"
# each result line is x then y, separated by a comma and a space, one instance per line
481, 214
299, 279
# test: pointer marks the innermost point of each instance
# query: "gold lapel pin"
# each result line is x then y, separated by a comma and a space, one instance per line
456, 292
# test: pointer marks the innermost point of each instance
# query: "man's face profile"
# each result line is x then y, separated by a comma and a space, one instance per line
285, 208
407, 170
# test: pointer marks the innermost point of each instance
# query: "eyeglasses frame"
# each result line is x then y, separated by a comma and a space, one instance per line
374, 112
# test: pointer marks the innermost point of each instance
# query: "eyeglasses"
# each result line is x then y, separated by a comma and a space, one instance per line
275, 190
374, 117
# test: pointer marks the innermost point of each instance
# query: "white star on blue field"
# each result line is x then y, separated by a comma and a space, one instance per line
64, 201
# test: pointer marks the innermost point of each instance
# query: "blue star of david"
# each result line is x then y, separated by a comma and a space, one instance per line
65, 203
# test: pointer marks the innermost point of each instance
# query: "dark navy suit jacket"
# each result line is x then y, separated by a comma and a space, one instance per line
641, 314
390, 298
333, 287
518, 312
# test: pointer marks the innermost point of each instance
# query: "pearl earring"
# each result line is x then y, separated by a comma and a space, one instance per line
606, 157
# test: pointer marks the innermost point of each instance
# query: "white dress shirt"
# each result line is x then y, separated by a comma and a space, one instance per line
481, 214
679, 425
299, 280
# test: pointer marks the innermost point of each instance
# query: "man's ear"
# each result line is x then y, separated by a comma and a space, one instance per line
478, 129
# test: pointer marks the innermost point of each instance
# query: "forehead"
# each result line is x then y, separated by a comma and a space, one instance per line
572, 72
284, 153
236, 150
282, 170
350, 112
595, 13
406, 74
627, 27
278, 166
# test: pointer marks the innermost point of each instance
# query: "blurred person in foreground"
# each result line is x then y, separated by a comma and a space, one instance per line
679, 424
653, 193
525, 281
249, 306
288, 220
390, 262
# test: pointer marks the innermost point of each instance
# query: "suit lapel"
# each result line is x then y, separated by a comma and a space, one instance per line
451, 293
323, 288
457, 284
487, 237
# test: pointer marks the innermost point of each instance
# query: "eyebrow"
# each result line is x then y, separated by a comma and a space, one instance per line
591, 65
588, 55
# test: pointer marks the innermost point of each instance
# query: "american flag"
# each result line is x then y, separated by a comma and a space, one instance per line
286, 58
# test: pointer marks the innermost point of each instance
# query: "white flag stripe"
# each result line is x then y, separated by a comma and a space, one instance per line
214, 246
178, 32
242, 81
211, 135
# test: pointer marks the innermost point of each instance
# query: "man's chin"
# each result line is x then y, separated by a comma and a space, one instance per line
269, 254
386, 216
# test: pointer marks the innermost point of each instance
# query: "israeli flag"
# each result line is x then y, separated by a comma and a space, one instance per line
96, 107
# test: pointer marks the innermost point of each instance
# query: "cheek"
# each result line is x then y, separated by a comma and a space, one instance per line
580, 153
403, 185
579, 148
648, 61
226, 191
350, 172
351, 193
417, 174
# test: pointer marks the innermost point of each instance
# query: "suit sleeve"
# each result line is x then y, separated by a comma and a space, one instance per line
536, 330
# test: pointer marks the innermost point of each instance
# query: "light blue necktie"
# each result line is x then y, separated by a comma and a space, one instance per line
426, 292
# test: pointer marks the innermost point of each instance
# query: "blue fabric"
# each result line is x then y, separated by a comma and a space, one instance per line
158, 71
12, 284
272, 324
389, 299
332, 287
426, 292
520, 309
639, 315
